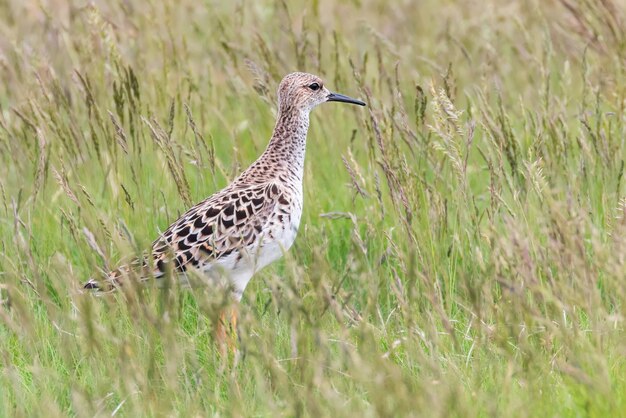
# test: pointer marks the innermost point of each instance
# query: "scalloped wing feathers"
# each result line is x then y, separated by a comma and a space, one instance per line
234, 222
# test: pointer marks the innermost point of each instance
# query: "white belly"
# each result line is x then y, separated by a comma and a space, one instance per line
278, 239
275, 242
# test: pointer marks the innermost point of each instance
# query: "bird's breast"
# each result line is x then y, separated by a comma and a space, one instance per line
281, 232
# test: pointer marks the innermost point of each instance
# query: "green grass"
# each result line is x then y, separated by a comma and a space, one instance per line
471, 259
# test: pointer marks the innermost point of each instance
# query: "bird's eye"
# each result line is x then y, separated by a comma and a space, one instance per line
314, 86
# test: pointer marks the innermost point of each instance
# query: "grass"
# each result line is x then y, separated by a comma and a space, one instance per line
462, 245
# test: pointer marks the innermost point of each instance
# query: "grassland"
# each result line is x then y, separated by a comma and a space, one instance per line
463, 244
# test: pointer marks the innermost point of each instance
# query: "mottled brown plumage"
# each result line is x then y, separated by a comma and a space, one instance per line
253, 221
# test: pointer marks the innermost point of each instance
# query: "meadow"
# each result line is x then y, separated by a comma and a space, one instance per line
462, 250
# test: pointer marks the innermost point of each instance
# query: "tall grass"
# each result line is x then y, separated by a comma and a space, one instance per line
462, 248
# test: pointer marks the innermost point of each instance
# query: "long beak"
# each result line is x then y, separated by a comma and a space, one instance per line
336, 97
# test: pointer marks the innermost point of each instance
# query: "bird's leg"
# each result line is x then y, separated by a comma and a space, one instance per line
220, 332
234, 312
226, 330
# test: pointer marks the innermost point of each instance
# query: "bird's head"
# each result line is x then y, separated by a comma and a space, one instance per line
304, 91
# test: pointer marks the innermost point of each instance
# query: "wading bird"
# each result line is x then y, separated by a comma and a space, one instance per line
250, 223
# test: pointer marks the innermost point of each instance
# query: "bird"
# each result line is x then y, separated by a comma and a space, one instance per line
250, 223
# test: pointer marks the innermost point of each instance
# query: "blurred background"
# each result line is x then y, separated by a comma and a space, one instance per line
461, 251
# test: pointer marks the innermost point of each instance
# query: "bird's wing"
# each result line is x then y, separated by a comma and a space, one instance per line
228, 221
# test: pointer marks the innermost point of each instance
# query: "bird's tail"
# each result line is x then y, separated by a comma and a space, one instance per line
92, 284
138, 270
108, 284
111, 280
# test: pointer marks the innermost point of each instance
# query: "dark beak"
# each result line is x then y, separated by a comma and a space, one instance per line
336, 97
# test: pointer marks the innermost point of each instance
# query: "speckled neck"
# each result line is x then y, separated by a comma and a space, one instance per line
284, 156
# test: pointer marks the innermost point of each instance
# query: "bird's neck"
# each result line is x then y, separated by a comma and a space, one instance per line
284, 156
